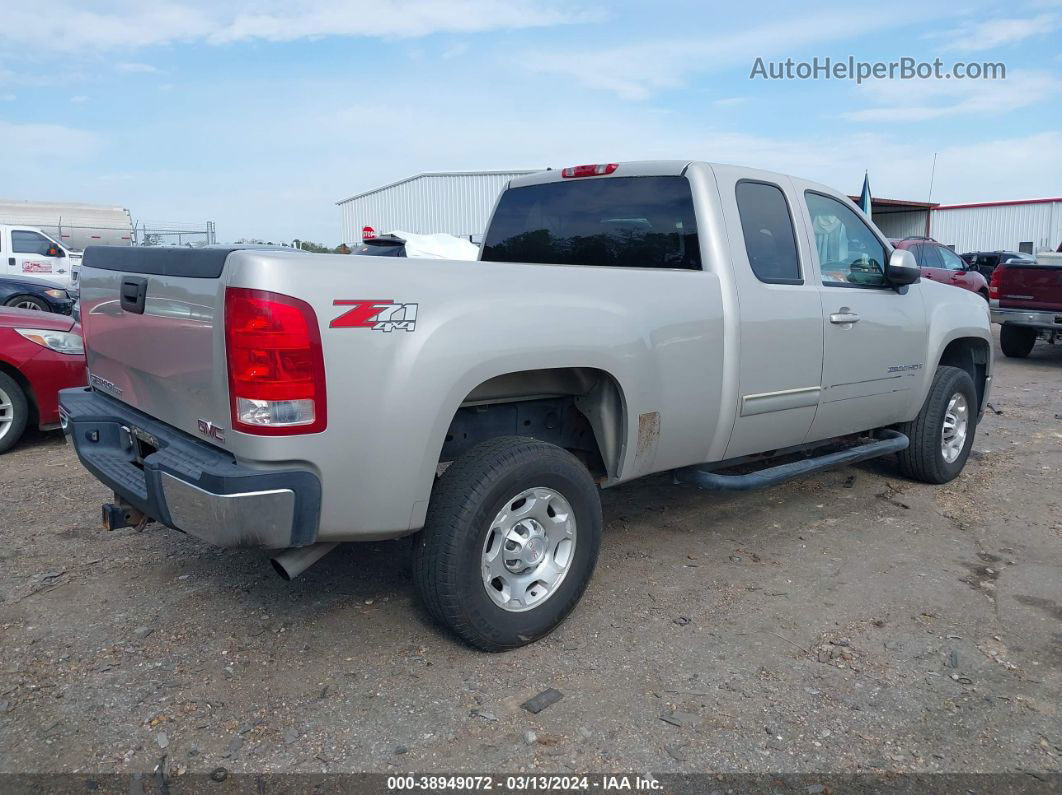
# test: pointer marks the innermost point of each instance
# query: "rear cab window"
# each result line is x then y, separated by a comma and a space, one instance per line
621, 222
850, 254
767, 226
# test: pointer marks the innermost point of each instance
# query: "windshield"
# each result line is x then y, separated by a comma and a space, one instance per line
634, 222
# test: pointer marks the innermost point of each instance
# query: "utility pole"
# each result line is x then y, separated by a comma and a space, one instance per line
929, 198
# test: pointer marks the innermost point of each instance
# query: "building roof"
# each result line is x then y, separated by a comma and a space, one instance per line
1000, 203
439, 174
897, 204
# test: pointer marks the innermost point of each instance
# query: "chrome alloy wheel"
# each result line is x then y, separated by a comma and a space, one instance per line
7, 413
956, 423
27, 305
529, 549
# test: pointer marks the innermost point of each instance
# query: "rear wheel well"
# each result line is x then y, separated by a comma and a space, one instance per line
580, 409
970, 354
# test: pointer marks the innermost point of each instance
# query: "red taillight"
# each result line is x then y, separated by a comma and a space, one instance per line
276, 367
592, 170
995, 283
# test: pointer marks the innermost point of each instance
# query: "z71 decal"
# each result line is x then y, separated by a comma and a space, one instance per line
381, 314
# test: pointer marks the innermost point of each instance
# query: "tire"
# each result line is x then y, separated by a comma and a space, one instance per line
14, 412
926, 458
28, 302
984, 294
475, 509
1017, 342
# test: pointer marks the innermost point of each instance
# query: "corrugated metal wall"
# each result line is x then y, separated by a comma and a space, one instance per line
459, 204
1000, 227
901, 225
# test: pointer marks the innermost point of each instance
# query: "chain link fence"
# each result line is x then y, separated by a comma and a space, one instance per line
158, 233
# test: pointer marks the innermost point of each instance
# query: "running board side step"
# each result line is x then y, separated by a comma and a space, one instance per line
889, 441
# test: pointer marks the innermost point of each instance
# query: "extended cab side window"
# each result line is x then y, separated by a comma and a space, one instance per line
30, 243
629, 222
850, 255
770, 240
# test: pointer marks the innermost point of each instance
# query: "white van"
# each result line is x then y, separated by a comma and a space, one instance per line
28, 253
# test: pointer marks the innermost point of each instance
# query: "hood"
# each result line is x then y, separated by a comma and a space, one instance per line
27, 318
39, 284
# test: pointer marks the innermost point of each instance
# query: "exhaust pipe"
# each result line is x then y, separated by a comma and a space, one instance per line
290, 563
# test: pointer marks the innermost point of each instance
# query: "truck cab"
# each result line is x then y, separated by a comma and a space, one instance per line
29, 253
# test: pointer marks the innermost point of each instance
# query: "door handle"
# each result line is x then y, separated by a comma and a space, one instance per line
11, 261
844, 318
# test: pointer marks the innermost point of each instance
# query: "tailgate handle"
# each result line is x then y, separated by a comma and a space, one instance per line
133, 293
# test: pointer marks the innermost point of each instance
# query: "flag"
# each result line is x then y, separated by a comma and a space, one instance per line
864, 197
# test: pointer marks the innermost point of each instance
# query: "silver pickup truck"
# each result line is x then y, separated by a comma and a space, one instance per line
732, 326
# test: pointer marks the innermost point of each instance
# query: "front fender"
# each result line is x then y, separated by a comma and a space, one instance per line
952, 314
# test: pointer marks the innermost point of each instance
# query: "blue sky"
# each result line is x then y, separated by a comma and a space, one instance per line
260, 115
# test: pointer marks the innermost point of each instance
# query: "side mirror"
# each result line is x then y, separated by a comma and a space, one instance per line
902, 268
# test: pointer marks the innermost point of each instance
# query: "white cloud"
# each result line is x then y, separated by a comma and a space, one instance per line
8, 97
637, 71
922, 100
78, 99
992, 33
68, 25
136, 67
22, 144
455, 51
729, 102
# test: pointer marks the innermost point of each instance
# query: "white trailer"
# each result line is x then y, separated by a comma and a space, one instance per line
75, 225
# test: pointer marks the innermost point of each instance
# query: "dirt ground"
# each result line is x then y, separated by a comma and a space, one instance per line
851, 621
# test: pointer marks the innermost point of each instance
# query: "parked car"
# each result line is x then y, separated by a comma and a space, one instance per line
941, 264
35, 294
623, 319
29, 254
39, 355
984, 262
408, 244
1026, 300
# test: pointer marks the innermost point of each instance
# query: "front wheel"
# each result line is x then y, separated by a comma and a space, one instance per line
28, 302
510, 543
943, 432
14, 412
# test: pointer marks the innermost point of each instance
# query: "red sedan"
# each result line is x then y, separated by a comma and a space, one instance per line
941, 264
40, 353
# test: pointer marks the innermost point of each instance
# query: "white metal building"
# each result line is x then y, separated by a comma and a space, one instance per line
1031, 226
458, 203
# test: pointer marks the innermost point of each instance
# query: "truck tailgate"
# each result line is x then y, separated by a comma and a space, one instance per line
152, 337
1032, 286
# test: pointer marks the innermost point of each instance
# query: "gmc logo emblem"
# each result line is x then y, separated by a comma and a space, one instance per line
208, 428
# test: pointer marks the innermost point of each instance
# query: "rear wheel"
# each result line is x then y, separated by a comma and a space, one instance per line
943, 432
510, 543
27, 302
1017, 342
14, 411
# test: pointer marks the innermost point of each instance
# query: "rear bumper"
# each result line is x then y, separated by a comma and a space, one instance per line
188, 484
1026, 317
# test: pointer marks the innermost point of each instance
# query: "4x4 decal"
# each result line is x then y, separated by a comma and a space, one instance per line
377, 314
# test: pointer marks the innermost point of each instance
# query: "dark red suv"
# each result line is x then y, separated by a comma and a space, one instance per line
941, 264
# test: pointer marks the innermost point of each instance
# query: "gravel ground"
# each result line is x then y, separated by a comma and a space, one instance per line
852, 621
